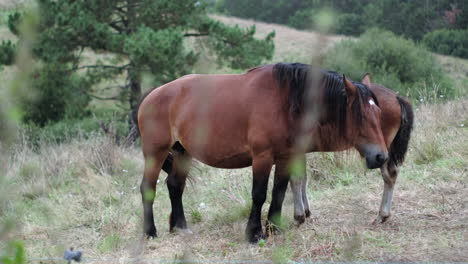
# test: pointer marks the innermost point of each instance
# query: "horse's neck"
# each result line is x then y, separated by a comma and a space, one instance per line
327, 138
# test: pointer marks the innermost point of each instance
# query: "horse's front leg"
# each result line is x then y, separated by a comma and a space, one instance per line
389, 174
261, 167
298, 187
305, 200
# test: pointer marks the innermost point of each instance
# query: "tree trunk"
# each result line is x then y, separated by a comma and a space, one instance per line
134, 82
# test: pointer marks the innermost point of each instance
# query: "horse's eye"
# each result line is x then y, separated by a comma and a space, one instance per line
371, 102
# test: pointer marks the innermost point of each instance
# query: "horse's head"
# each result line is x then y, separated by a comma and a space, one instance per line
363, 123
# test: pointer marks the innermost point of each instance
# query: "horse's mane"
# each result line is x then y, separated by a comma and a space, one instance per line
297, 77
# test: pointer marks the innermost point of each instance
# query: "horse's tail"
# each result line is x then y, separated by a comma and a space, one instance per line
400, 143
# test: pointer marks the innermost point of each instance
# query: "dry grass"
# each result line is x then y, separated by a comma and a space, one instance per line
7, 4
85, 194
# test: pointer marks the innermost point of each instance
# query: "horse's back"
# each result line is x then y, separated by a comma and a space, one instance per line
217, 118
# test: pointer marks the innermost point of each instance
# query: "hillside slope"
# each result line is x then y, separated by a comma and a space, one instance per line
290, 44
85, 194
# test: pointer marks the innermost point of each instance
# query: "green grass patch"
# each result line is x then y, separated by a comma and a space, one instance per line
428, 152
110, 243
29, 170
196, 216
236, 212
282, 254
110, 200
346, 178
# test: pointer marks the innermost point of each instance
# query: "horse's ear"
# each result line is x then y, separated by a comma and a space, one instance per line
349, 86
366, 80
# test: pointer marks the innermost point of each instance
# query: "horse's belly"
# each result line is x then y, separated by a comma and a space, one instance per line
219, 152
235, 161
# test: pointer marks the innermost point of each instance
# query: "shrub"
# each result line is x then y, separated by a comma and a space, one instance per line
349, 24
392, 61
67, 129
302, 19
7, 49
58, 95
264, 10
448, 42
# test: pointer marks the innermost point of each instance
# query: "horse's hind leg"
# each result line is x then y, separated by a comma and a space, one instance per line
176, 184
154, 160
280, 185
389, 174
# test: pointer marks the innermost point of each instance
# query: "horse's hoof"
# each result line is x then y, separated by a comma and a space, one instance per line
300, 219
257, 237
254, 234
307, 213
151, 232
381, 219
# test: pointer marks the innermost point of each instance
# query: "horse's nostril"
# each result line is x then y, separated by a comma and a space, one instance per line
380, 158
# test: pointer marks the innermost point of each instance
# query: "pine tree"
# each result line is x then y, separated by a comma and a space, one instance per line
141, 35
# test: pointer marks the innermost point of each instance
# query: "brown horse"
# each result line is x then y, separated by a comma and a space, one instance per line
252, 119
397, 123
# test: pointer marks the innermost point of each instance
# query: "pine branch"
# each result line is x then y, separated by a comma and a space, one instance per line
123, 67
116, 97
196, 34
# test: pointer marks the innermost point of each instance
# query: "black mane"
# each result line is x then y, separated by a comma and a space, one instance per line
297, 77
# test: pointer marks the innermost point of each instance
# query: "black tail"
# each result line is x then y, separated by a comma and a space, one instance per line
401, 141
168, 163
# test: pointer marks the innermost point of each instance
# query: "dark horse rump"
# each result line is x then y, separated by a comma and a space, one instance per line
255, 118
399, 146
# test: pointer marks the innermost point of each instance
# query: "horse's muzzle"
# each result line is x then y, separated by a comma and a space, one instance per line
377, 161
375, 157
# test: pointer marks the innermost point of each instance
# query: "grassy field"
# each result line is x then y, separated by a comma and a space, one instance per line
85, 194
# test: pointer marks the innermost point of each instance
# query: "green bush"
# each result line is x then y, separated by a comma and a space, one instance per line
263, 10
302, 19
68, 129
393, 61
349, 24
7, 49
407, 18
448, 42
58, 95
